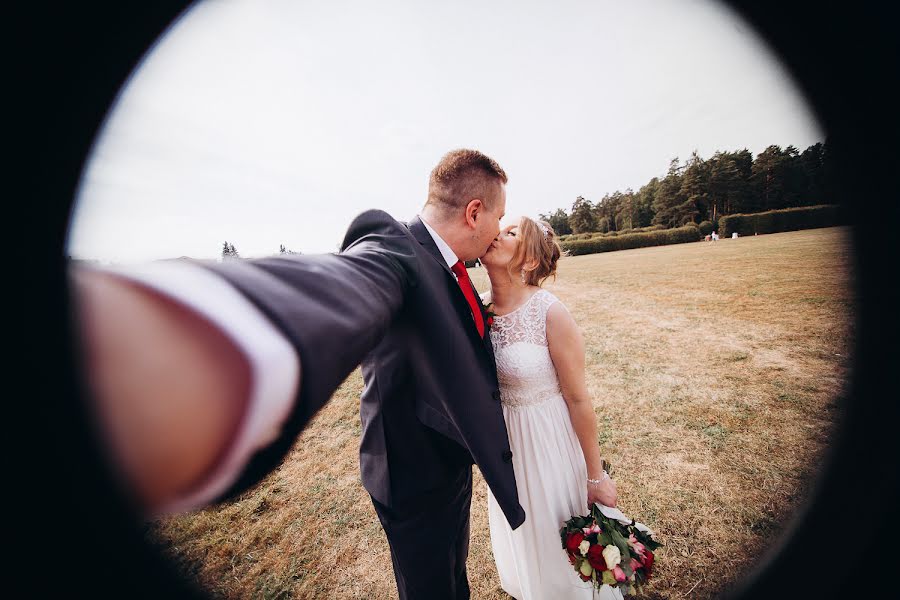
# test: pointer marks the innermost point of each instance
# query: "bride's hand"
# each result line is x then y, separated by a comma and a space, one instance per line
604, 492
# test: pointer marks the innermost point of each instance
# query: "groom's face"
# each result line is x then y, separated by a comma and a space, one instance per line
488, 227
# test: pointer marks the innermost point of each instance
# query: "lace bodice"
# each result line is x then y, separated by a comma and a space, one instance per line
524, 367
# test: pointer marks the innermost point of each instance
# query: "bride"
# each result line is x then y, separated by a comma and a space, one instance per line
549, 417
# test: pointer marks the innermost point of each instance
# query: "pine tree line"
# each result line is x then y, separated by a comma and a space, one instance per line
701, 190
229, 251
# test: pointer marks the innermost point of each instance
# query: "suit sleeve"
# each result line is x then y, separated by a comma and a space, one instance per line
332, 309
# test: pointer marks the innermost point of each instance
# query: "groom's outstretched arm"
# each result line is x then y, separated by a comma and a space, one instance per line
195, 367
169, 388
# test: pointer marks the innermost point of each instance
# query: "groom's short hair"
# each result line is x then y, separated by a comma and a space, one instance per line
462, 175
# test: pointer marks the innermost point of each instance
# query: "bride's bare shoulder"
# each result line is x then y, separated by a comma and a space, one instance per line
558, 313
550, 301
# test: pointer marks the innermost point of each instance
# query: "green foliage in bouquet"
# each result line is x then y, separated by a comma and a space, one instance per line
604, 550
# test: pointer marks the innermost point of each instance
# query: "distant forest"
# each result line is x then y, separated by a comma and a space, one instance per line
701, 190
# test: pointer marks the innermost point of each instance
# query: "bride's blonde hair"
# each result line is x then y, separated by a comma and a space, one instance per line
537, 241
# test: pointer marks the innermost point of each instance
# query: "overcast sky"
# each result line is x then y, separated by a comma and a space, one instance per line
275, 122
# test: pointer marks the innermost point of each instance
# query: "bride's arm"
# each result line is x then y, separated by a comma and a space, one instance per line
567, 351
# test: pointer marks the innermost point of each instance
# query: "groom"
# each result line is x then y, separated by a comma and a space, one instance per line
396, 299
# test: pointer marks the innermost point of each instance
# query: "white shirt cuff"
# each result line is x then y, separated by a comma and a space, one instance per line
274, 363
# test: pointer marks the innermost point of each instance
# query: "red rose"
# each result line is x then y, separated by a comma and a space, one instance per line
648, 562
490, 321
573, 540
595, 557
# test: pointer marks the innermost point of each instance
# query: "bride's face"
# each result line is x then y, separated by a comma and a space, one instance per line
502, 249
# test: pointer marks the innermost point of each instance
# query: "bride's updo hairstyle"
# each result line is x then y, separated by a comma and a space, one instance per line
537, 241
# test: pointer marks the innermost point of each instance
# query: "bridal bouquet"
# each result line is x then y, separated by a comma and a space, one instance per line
606, 547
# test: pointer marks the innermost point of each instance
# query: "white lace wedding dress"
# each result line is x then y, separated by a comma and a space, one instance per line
547, 459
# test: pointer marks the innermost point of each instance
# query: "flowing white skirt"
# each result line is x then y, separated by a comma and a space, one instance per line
551, 479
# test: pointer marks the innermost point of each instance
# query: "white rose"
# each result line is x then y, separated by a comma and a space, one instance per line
583, 547
612, 556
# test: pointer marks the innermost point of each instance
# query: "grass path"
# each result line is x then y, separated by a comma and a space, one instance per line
715, 368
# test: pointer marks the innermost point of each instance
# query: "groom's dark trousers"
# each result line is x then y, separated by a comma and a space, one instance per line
429, 541
431, 404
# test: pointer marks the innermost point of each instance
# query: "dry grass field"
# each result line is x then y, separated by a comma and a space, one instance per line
716, 371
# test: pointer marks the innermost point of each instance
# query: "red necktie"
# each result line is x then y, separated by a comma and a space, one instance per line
466, 286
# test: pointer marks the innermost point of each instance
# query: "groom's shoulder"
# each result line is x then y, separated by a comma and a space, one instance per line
375, 219
374, 215
374, 222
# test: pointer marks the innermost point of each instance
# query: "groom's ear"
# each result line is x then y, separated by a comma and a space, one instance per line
473, 211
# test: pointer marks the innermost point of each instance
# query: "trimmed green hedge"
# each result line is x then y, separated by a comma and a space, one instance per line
773, 221
590, 236
688, 233
786, 219
651, 228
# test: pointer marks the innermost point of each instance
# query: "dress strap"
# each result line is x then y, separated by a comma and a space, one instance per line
545, 300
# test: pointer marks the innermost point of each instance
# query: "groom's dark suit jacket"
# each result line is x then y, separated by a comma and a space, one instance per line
388, 301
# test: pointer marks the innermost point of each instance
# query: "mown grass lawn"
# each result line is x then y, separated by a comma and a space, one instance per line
716, 370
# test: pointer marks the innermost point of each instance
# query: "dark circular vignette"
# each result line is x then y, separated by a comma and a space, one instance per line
75, 533
847, 62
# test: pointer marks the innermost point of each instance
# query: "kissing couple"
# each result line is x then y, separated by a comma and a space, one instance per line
260, 345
